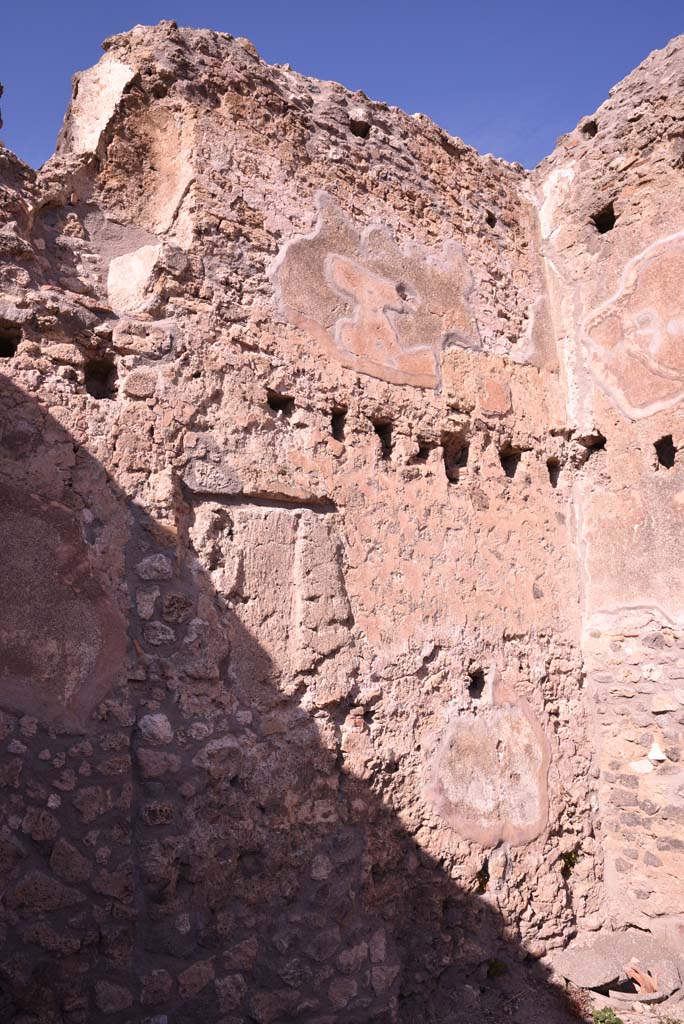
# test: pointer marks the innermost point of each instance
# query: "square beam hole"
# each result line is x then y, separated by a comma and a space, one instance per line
666, 451
10, 336
605, 219
476, 684
280, 403
338, 422
456, 452
383, 429
100, 377
509, 457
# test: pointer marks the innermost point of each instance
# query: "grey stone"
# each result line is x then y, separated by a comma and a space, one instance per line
155, 567
600, 961
211, 478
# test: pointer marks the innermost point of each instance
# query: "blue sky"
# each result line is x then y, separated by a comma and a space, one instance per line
508, 78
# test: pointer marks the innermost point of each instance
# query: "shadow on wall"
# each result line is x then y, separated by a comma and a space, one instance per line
182, 844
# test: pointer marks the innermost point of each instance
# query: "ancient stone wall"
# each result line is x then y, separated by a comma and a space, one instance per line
612, 233
321, 455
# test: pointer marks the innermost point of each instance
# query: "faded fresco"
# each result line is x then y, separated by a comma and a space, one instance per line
378, 308
635, 339
488, 776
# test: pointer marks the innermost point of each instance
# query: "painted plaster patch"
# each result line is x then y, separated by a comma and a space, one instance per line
63, 640
376, 307
488, 776
636, 338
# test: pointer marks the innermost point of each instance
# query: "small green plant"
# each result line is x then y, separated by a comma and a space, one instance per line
606, 1016
495, 968
482, 877
569, 860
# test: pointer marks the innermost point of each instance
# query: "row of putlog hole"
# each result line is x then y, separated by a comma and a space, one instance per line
100, 382
455, 449
99, 372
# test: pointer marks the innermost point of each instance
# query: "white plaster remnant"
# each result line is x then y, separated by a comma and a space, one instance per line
128, 277
96, 95
642, 767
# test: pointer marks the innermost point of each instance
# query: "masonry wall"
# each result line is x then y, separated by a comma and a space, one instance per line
305, 513
612, 238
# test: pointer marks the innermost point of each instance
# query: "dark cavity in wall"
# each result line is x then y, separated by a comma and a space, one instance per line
10, 336
476, 684
359, 127
490, 219
589, 128
100, 377
424, 449
482, 877
594, 443
280, 403
383, 428
456, 453
553, 467
666, 451
509, 457
605, 219
338, 422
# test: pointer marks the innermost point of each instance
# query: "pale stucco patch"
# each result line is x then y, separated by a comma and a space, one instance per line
128, 277
99, 90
